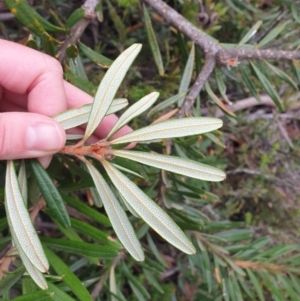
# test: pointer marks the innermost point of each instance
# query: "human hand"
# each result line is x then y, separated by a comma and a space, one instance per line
32, 89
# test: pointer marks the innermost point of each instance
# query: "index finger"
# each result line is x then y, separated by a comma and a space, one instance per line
24, 70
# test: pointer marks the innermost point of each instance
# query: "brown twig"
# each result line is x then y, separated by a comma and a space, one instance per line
261, 266
222, 56
100, 150
250, 102
77, 30
195, 34
208, 67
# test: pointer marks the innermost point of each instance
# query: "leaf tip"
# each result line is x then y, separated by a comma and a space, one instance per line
191, 250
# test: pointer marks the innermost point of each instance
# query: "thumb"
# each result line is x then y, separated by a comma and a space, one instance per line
29, 135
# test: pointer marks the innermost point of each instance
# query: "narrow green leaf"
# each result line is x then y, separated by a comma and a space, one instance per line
235, 267
153, 42
76, 65
248, 82
221, 85
77, 15
216, 99
30, 18
48, 44
252, 31
178, 165
182, 46
80, 248
296, 69
35, 296
4, 241
276, 251
28, 286
215, 139
10, 279
272, 34
159, 260
99, 11
187, 75
22, 178
26, 15
50, 194
80, 83
260, 243
237, 288
120, 27
282, 75
80, 115
172, 129
245, 286
273, 286
19, 221
95, 57
108, 87
59, 295
268, 87
49, 27
153, 280
72, 235
295, 282
87, 210
158, 265
295, 14
288, 287
235, 234
138, 285
167, 103
230, 292
115, 212
136, 109
256, 285
93, 233
139, 296
68, 278
152, 214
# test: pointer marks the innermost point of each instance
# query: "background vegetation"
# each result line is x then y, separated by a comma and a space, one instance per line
245, 229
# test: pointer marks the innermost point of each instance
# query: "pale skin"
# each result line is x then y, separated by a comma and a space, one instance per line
31, 90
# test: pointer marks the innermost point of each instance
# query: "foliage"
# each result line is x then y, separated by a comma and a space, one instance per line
90, 192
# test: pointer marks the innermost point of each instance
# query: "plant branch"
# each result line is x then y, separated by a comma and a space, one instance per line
222, 56
203, 76
200, 38
77, 30
261, 266
250, 102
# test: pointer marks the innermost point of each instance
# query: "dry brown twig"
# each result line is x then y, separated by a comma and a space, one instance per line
89, 7
215, 54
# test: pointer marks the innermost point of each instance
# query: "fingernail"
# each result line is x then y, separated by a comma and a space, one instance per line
43, 136
45, 161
